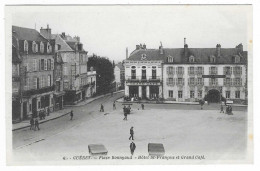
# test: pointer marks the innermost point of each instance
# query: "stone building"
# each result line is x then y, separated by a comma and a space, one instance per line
188, 74
119, 73
36, 76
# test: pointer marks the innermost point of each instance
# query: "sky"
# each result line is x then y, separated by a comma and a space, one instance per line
108, 30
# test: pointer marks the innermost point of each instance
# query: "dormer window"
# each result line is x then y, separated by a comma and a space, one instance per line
191, 59
49, 48
25, 46
170, 59
41, 47
212, 59
143, 57
237, 59
34, 47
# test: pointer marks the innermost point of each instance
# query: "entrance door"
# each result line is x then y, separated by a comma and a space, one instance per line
24, 109
34, 107
143, 92
213, 96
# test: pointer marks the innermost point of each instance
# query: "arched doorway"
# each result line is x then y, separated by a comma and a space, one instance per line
213, 96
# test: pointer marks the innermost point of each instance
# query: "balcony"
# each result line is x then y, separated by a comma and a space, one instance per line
144, 79
38, 91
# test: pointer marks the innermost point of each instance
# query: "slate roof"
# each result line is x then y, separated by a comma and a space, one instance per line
23, 33
120, 66
201, 55
62, 43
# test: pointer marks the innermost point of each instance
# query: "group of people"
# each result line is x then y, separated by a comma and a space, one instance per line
228, 109
34, 124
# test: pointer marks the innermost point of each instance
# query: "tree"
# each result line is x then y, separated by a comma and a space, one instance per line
105, 73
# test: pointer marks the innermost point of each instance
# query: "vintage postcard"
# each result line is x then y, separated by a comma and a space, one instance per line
129, 84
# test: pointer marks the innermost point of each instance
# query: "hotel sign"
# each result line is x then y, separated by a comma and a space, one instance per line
143, 83
213, 76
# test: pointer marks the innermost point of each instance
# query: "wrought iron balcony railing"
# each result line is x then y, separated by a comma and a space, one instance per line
144, 79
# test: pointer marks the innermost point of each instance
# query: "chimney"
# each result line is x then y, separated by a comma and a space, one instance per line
218, 47
126, 53
144, 46
137, 47
161, 49
185, 48
63, 34
240, 48
46, 32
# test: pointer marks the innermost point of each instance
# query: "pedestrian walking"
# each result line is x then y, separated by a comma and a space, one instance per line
132, 147
114, 106
36, 124
142, 106
101, 108
125, 113
71, 115
131, 133
221, 109
32, 124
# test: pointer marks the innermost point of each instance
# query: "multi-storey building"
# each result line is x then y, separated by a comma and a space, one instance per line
16, 81
73, 79
119, 73
190, 74
37, 65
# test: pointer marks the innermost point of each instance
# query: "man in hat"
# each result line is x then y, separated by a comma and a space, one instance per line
36, 124
131, 133
132, 147
71, 115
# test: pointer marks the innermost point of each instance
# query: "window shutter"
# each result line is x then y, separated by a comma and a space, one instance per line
173, 81
167, 70
216, 81
48, 80
216, 69
182, 70
34, 83
202, 70
209, 70
188, 81
196, 81
240, 70
224, 71
188, 70
52, 64
195, 70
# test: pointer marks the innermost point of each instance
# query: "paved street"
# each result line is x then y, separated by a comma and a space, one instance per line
178, 127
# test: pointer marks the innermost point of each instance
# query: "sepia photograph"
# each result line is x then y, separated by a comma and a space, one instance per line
129, 84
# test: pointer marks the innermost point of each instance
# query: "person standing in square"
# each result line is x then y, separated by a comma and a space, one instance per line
131, 133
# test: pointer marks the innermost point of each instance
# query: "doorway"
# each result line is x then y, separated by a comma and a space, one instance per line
213, 96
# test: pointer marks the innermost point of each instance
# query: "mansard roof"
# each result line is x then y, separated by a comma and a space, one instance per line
201, 55
23, 33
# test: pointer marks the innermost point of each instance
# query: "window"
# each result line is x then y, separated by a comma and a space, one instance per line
153, 72
35, 83
237, 94
41, 47
133, 72
179, 94
180, 70
27, 84
227, 94
227, 81
170, 94
52, 64
180, 81
213, 70
45, 64
237, 70
192, 59
200, 70
30, 107
170, 70
200, 94
170, 81
170, 59
191, 70
34, 65
66, 85
191, 81
143, 57
212, 59
191, 94
42, 64
34, 49
237, 81
48, 64
49, 48
39, 104
200, 81
25, 46
237, 59
49, 80
143, 72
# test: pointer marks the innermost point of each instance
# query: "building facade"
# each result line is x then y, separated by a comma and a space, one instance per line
119, 73
191, 74
37, 66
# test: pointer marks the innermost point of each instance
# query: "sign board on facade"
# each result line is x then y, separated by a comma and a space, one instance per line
213, 76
